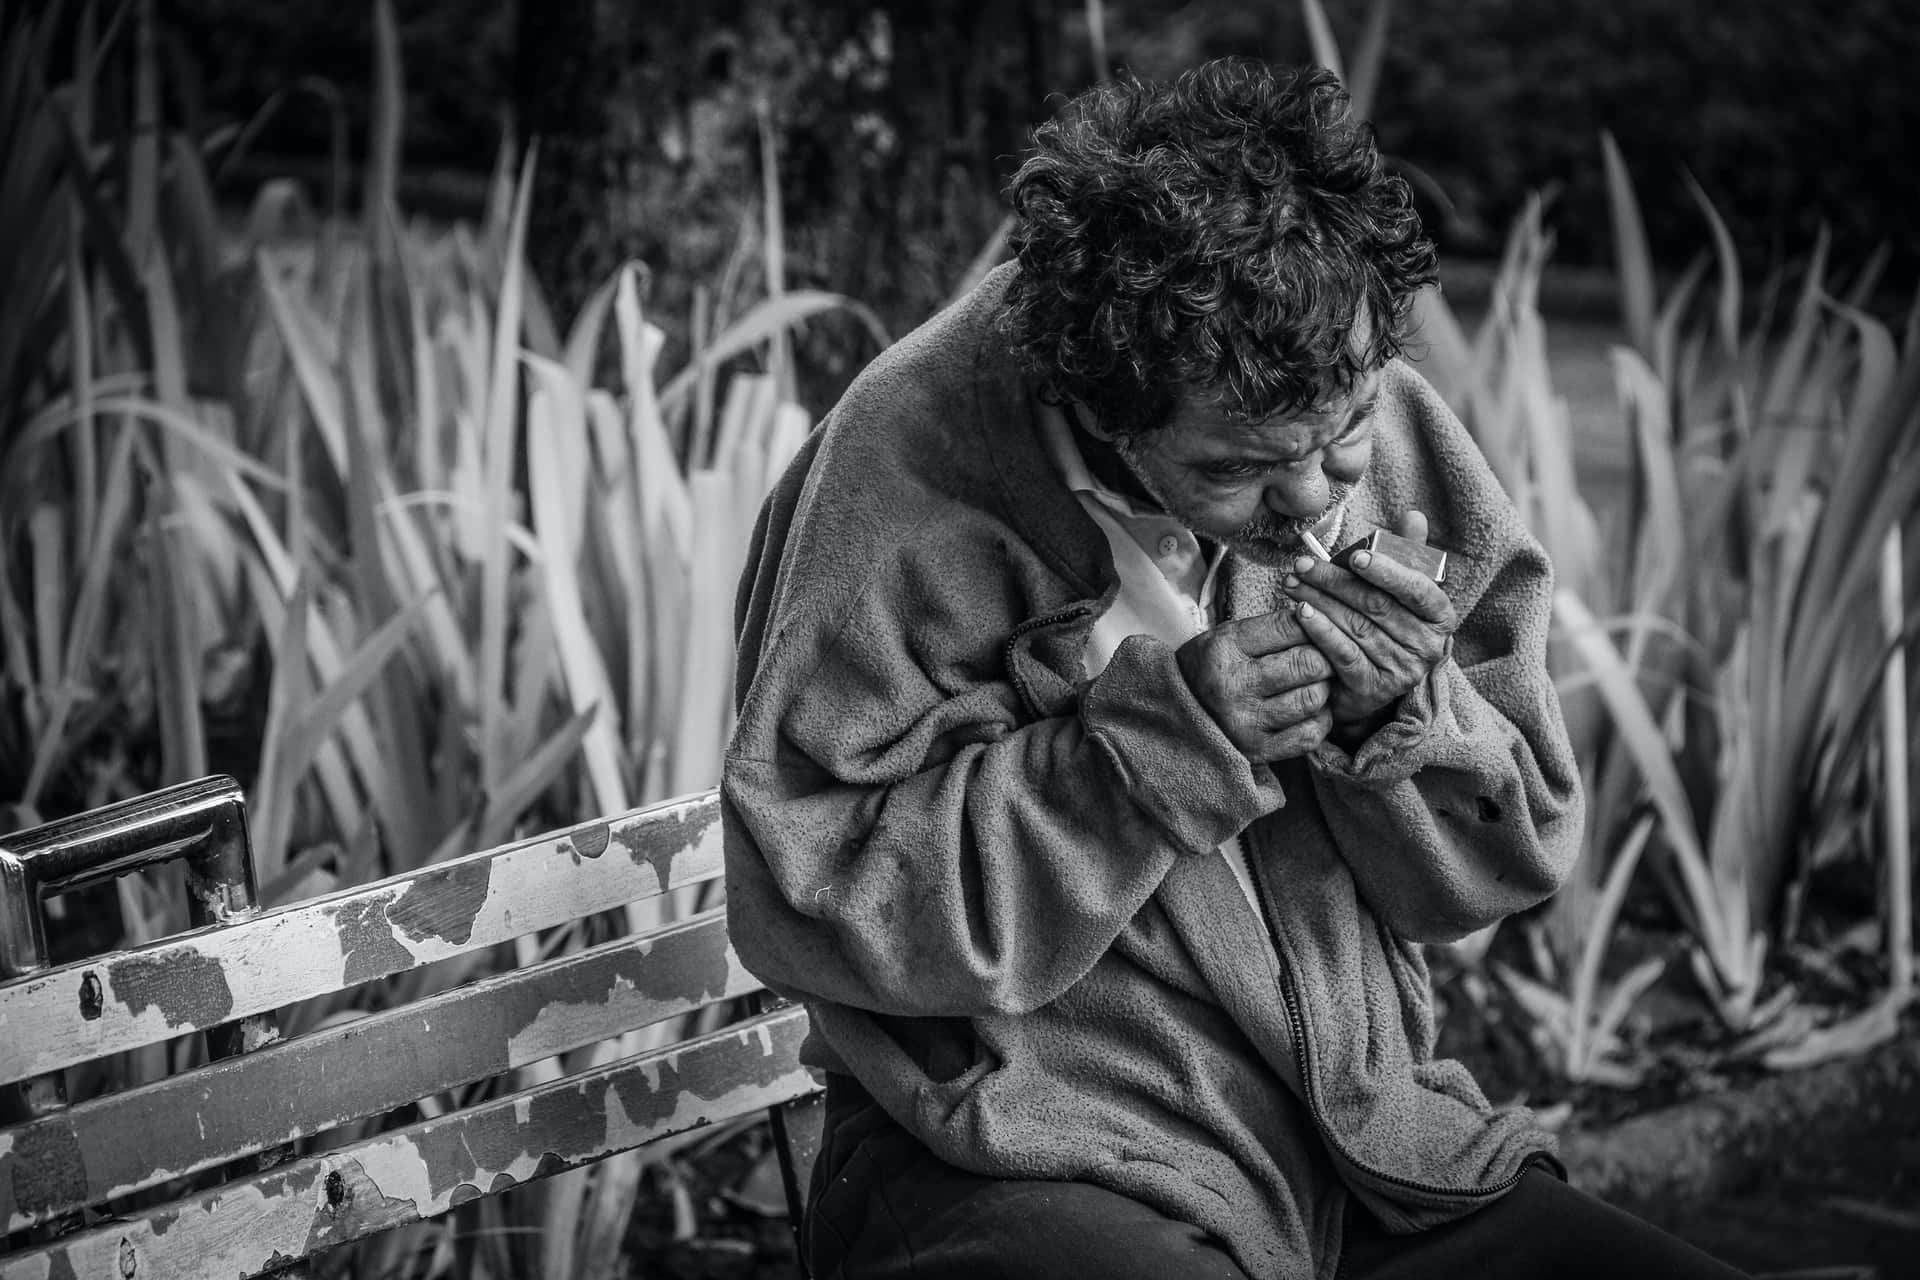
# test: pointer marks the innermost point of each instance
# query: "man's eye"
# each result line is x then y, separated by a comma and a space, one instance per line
1362, 416
1235, 470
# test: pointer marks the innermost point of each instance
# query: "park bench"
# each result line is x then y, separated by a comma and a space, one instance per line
215, 1171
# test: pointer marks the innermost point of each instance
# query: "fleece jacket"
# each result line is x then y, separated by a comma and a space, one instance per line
994, 883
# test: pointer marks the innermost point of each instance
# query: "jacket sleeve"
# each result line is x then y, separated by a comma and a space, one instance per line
904, 838
1467, 807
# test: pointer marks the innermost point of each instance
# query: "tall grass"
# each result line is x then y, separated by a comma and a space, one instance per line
1720, 651
470, 574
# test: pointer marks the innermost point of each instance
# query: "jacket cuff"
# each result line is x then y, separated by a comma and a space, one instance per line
1175, 761
1399, 748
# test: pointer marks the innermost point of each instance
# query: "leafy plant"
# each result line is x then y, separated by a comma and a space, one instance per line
357, 492
1579, 1032
1716, 658
1771, 466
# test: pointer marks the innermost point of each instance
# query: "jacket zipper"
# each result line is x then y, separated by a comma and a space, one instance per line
1299, 1028
1296, 1023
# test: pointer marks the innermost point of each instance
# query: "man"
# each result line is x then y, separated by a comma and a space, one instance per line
1097, 820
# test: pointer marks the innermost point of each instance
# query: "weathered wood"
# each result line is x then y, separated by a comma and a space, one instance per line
253, 1225
125, 1142
63, 1016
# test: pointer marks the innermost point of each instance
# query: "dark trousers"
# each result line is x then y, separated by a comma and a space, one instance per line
883, 1206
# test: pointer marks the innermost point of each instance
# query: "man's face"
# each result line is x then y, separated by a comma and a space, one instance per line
1257, 486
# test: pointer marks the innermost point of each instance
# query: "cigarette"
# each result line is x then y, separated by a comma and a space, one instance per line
1313, 545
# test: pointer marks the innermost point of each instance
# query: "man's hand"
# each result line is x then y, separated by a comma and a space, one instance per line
1383, 628
1264, 683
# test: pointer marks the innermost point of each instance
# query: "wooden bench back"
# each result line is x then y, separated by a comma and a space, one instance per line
231, 1132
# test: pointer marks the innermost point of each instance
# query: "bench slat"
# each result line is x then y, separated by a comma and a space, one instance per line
126, 1142
425, 1169
207, 977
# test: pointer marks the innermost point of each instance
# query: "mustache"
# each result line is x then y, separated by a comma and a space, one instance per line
1270, 528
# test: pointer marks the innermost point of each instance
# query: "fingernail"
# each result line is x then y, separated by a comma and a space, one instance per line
1361, 559
1290, 581
1306, 610
1302, 564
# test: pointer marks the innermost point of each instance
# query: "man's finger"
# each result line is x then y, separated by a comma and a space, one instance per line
1298, 739
1265, 633
1413, 525
1350, 661
1294, 668
1378, 587
1296, 705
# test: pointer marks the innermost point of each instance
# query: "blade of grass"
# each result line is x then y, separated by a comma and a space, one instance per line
173, 422
499, 450
1789, 362
320, 717
557, 469
704, 705
176, 652
272, 803
1606, 910
397, 780
383, 144
272, 577
1326, 50
1661, 543
1096, 13
1641, 735
85, 440
521, 785
1372, 55
312, 353
764, 320
1895, 807
47, 538
773, 253
1729, 260
1632, 259
143, 151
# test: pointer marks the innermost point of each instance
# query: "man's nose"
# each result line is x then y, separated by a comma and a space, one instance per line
1298, 493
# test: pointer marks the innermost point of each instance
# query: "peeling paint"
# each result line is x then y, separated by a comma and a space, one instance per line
349, 1196
448, 1160
368, 948
660, 838
591, 842
317, 1203
188, 988
688, 967
444, 903
48, 1168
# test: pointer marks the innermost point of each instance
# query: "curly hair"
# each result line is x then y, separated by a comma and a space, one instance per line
1224, 232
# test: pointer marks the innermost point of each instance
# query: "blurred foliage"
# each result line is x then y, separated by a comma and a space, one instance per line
337, 505
1788, 114
896, 123
898, 119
